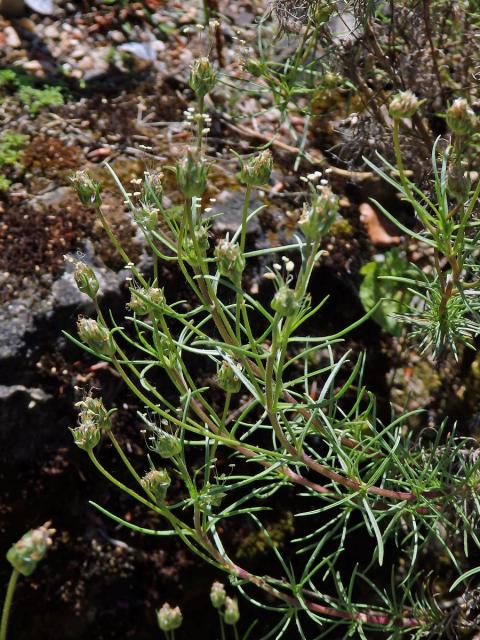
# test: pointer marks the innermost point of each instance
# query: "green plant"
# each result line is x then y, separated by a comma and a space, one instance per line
11, 145
4, 183
379, 284
11, 148
7, 77
169, 620
444, 298
260, 433
24, 557
36, 99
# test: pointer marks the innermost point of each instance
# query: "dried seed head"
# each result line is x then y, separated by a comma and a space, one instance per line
227, 377
96, 336
157, 482
202, 77
86, 280
232, 613
294, 14
169, 618
25, 554
404, 105
230, 259
256, 171
461, 118
217, 595
88, 189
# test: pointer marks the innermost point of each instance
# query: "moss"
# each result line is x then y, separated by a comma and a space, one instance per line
36, 99
11, 150
257, 542
11, 147
341, 228
4, 183
7, 77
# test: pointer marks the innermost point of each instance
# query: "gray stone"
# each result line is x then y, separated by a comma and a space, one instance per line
44, 7
230, 205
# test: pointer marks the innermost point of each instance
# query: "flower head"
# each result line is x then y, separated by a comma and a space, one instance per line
32, 547
166, 444
157, 482
88, 189
144, 301
87, 435
404, 105
256, 171
320, 214
86, 279
191, 172
232, 613
228, 378
285, 301
230, 260
92, 410
202, 77
461, 118
146, 217
169, 618
217, 595
96, 336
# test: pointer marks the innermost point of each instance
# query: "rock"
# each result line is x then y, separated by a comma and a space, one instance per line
50, 304
12, 8
35, 394
33, 66
11, 38
44, 7
94, 65
116, 36
230, 204
142, 53
28, 424
51, 31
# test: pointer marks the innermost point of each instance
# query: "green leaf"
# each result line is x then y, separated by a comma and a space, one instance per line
374, 288
464, 576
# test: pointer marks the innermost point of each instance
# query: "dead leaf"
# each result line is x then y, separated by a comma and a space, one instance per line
376, 231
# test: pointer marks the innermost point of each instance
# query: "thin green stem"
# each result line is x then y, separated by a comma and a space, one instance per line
182, 529
222, 625
119, 248
246, 202
124, 488
201, 108
7, 605
128, 464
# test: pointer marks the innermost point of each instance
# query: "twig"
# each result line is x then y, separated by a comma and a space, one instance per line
344, 173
